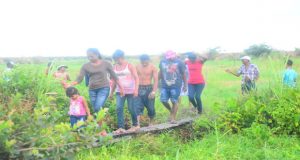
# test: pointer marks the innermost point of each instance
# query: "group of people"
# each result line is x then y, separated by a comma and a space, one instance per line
138, 85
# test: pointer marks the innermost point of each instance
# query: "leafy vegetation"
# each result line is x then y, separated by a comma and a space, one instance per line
34, 124
263, 125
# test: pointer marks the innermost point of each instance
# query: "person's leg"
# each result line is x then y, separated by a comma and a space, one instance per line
101, 97
120, 110
199, 88
149, 103
73, 120
248, 86
191, 93
139, 108
81, 118
93, 97
244, 89
139, 103
253, 86
174, 95
151, 110
132, 109
164, 98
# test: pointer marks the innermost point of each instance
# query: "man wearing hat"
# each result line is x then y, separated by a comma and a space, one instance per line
249, 72
172, 75
148, 83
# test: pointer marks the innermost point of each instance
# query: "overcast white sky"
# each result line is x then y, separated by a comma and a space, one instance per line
69, 27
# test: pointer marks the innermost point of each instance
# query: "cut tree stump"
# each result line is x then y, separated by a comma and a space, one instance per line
157, 128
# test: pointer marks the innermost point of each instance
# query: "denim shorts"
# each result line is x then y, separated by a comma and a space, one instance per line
144, 101
170, 94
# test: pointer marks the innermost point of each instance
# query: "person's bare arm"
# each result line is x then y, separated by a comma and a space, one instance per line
113, 88
80, 76
155, 79
202, 59
86, 107
235, 74
115, 81
136, 79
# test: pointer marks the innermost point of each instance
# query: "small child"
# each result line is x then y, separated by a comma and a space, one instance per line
79, 109
290, 75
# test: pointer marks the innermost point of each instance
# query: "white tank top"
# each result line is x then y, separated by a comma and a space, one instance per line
126, 79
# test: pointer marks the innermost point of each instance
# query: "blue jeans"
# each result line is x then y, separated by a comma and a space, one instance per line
75, 119
194, 92
144, 101
131, 107
98, 97
170, 93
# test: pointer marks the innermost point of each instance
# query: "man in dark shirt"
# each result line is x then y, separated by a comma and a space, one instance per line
172, 75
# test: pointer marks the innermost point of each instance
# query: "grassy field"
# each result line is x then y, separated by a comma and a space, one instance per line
181, 144
220, 87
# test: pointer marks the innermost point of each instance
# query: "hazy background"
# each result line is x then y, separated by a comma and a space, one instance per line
69, 27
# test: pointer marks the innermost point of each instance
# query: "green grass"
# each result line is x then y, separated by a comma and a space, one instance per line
220, 87
212, 146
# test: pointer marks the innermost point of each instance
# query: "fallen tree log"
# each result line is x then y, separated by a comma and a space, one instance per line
157, 128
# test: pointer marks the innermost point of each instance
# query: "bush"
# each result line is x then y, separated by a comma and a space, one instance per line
258, 50
279, 111
34, 125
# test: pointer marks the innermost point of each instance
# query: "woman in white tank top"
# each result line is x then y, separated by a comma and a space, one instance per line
128, 78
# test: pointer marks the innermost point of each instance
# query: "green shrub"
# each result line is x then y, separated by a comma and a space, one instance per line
34, 125
280, 112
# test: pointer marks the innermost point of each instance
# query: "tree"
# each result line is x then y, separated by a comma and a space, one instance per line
258, 50
213, 52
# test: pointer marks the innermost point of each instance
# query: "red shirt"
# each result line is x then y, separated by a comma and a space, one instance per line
195, 72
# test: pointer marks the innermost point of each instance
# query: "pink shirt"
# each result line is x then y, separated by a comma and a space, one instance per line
195, 72
126, 79
77, 107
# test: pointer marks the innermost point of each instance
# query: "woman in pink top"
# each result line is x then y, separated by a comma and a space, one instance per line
196, 81
129, 80
79, 109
